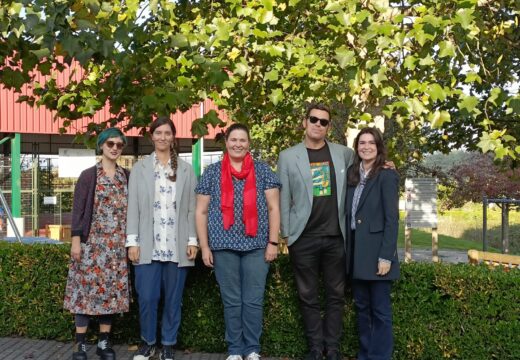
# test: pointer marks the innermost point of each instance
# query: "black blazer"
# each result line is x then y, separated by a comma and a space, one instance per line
377, 226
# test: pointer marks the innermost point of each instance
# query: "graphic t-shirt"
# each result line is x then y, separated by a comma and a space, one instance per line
324, 214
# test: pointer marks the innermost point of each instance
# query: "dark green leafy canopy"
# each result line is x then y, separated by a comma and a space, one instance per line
439, 74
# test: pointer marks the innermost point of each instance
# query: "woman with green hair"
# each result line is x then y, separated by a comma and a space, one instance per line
97, 284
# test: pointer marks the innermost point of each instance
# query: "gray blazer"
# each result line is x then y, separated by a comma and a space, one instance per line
141, 189
294, 171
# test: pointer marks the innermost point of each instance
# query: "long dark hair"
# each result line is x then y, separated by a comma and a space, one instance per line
354, 177
164, 120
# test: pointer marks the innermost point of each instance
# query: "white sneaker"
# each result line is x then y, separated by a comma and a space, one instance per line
234, 357
253, 356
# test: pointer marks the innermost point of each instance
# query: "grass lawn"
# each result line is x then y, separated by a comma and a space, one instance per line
422, 239
461, 229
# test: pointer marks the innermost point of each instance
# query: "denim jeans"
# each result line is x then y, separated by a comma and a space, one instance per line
374, 318
150, 280
241, 276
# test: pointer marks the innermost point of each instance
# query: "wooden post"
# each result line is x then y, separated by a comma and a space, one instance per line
407, 244
435, 245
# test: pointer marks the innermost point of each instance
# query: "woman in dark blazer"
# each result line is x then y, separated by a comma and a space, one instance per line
371, 246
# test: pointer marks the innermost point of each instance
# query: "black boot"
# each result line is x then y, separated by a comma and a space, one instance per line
79, 351
104, 348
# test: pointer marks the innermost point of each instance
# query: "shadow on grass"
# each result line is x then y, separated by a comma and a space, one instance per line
422, 239
494, 238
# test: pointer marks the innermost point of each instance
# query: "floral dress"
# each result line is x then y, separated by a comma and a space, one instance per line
98, 284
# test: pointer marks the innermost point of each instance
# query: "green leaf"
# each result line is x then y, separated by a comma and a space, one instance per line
217, 77
501, 152
471, 77
438, 118
415, 106
276, 96
275, 50
179, 40
41, 53
345, 57
514, 103
427, 61
409, 62
414, 86
271, 75
211, 117
241, 69
436, 92
268, 4
464, 17
149, 100
66, 99
93, 5
379, 77
85, 24
468, 103
494, 94
366, 117
486, 143
380, 5
264, 16
446, 48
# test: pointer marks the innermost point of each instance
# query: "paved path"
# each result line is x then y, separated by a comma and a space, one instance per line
445, 256
28, 349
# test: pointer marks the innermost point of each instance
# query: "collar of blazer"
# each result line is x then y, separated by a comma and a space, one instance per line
148, 169
366, 190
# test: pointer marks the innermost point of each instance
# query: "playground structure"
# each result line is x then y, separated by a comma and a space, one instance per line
505, 205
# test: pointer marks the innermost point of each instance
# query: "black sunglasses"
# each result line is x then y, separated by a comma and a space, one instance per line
110, 144
323, 122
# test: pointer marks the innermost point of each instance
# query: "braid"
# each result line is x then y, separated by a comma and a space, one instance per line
173, 162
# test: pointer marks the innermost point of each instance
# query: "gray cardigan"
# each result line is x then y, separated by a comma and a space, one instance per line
141, 189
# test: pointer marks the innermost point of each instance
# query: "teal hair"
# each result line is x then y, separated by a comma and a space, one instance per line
107, 134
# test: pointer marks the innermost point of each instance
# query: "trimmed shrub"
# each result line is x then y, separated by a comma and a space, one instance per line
440, 311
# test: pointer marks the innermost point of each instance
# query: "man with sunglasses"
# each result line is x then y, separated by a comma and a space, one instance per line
312, 204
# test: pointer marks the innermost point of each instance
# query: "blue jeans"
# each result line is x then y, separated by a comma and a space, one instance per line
241, 277
150, 280
374, 318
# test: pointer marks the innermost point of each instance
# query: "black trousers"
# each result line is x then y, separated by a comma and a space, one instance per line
311, 257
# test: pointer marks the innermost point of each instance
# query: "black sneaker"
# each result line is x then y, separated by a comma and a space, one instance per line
314, 354
334, 355
104, 350
167, 353
144, 352
79, 351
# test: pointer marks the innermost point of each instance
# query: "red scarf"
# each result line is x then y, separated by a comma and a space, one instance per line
250, 212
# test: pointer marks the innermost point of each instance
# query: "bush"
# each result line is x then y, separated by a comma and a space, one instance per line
440, 311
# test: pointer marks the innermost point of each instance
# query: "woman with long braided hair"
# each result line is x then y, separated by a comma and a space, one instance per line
161, 237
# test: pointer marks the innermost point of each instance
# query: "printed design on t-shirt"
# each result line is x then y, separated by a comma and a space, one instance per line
321, 185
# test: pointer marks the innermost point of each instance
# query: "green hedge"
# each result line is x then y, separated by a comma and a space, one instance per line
440, 311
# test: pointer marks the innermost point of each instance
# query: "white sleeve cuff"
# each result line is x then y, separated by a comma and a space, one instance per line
132, 240
192, 241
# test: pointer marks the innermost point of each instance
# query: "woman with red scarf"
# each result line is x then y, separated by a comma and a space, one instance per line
238, 220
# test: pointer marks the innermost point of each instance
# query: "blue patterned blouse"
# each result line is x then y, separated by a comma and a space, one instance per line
235, 237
